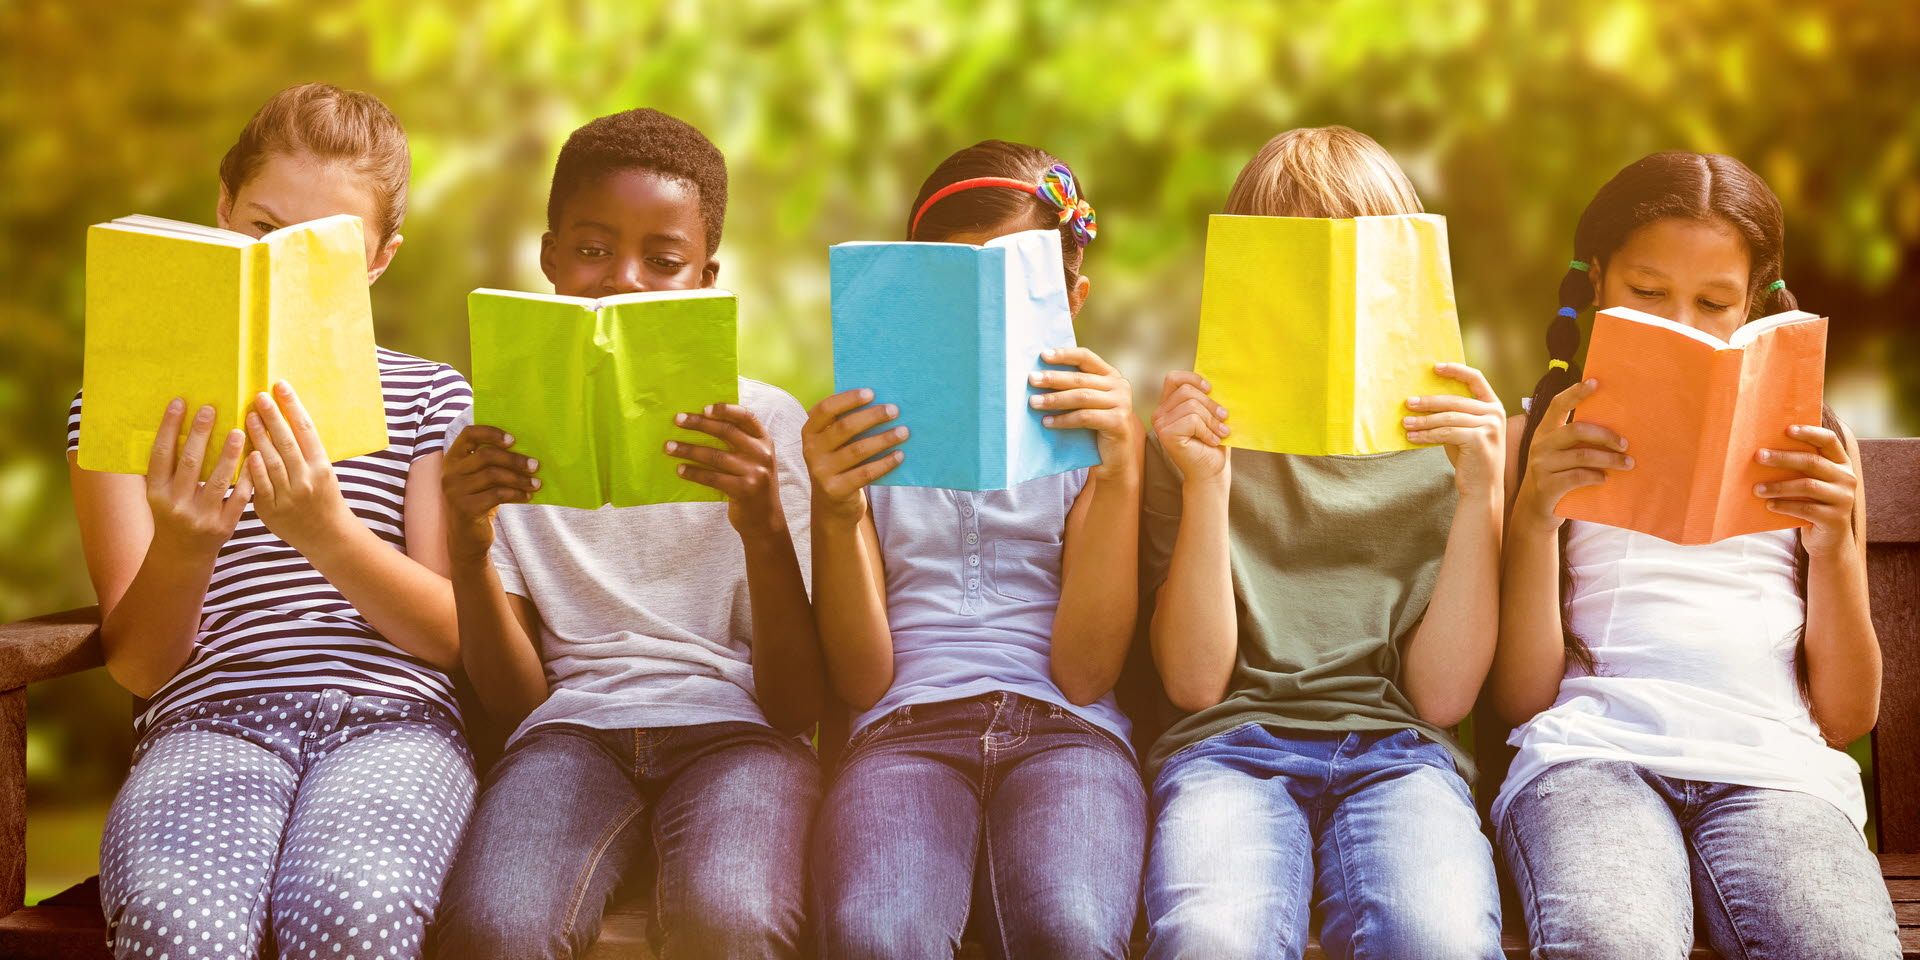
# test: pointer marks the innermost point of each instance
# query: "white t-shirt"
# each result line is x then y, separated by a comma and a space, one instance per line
644, 611
1696, 678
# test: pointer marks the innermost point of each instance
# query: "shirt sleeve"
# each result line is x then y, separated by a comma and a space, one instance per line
505, 563
73, 424
448, 396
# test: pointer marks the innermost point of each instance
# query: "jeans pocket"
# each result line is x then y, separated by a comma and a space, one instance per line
1060, 714
898, 718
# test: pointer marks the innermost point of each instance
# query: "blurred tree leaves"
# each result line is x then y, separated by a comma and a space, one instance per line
1507, 114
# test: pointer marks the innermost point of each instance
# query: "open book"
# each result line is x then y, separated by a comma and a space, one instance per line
590, 387
1314, 332
949, 332
180, 310
1694, 410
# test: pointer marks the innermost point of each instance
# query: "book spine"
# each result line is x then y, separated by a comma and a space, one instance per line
1343, 348
256, 322
991, 468
1706, 503
607, 412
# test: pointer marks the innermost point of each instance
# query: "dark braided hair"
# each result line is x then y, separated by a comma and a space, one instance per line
1705, 187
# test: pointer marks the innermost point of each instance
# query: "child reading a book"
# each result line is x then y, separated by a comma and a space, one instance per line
659, 661
1322, 620
290, 636
978, 636
1681, 709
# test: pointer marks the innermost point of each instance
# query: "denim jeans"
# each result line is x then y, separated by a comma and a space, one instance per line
1614, 861
722, 809
1001, 804
1256, 829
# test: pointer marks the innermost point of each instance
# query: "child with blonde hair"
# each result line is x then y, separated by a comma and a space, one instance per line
1323, 620
300, 775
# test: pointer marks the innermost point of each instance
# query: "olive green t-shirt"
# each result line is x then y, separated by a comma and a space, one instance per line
1334, 560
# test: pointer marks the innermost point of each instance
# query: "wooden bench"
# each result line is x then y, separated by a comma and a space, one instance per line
69, 925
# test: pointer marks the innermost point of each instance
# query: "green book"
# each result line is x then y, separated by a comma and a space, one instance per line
590, 387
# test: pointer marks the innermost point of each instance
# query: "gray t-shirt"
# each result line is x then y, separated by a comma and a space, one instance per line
644, 612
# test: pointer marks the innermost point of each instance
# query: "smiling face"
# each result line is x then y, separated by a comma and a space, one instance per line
1689, 271
294, 188
626, 232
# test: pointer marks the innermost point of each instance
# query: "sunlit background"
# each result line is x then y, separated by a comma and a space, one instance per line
1507, 116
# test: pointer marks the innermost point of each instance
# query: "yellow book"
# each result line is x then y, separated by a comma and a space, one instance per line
180, 310
1314, 332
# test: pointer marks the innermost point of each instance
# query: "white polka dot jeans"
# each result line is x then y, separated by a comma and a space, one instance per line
319, 822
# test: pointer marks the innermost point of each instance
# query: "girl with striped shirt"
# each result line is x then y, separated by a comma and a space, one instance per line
299, 761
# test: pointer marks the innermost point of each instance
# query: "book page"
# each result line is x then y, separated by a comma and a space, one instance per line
314, 329
665, 355
141, 223
1781, 379
1034, 317
1267, 313
536, 376
1405, 321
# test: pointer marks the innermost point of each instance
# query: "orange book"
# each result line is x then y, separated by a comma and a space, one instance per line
1694, 410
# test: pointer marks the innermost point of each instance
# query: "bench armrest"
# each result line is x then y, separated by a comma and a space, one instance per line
49, 646
30, 651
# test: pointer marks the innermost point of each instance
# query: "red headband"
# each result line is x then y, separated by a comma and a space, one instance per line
959, 185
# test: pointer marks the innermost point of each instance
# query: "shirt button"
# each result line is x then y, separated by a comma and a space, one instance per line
973, 560
973, 584
973, 538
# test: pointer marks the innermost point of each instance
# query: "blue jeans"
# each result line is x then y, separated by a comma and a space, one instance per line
1001, 802
1255, 829
1613, 861
568, 813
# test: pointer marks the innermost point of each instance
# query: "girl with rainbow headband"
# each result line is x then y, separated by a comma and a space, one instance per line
979, 636
300, 774
1681, 709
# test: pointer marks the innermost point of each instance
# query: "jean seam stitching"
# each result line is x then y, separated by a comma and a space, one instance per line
1720, 897
579, 894
1533, 888
1346, 880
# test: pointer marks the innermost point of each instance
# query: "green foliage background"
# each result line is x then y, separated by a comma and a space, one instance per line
1507, 115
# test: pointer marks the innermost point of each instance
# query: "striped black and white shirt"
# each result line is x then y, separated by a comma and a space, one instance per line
271, 622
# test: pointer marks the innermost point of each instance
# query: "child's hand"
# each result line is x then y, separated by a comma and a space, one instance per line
1474, 430
188, 514
1192, 428
1566, 455
1096, 398
294, 490
1823, 495
479, 475
744, 470
841, 465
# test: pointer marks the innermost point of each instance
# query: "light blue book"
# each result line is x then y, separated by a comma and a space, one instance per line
949, 332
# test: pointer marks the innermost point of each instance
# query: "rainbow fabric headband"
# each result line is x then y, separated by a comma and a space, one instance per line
1056, 189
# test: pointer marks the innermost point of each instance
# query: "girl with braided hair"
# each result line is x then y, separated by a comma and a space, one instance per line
1681, 710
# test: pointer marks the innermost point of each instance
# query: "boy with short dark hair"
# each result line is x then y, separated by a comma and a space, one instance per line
660, 661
